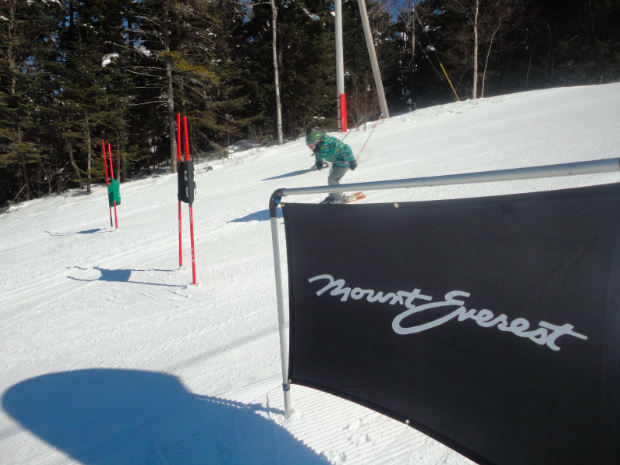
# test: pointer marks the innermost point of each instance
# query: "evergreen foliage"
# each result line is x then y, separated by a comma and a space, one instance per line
75, 71
306, 57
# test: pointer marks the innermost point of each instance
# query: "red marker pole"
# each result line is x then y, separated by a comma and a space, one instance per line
191, 210
107, 181
343, 112
112, 176
179, 160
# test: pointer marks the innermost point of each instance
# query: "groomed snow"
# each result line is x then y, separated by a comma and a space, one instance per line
110, 355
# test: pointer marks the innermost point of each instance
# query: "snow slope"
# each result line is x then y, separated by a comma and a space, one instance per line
110, 355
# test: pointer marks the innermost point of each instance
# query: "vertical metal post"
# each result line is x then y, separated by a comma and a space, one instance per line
339, 62
286, 385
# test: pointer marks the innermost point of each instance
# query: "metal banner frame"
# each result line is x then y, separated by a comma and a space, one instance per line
547, 171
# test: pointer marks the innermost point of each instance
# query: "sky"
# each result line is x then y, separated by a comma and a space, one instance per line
111, 355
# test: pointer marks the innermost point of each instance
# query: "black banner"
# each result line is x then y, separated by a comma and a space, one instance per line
490, 324
187, 182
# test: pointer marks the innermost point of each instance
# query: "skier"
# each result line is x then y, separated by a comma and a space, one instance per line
339, 154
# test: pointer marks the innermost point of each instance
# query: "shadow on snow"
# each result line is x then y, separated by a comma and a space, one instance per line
88, 231
106, 416
288, 175
282, 176
121, 276
262, 215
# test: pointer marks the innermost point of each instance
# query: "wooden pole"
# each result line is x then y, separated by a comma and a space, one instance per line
373, 59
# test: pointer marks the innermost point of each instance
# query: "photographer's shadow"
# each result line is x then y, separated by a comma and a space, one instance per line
106, 416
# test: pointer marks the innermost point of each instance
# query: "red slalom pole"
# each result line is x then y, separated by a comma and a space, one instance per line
187, 158
112, 176
191, 210
179, 161
107, 181
191, 230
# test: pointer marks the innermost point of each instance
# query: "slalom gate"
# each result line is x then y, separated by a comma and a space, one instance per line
490, 324
186, 191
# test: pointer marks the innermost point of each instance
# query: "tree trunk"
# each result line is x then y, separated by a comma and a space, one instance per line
89, 151
22, 162
13, 88
27, 192
11, 33
529, 67
171, 115
474, 93
171, 118
274, 19
486, 61
148, 152
39, 181
549, 63
47, 176
123, 156
413, 43
69, 147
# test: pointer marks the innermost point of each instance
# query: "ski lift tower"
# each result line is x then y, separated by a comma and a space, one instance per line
342, 121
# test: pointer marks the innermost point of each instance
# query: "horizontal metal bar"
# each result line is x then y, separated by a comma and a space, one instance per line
548, 171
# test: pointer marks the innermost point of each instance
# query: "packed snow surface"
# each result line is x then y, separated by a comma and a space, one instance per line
110, 355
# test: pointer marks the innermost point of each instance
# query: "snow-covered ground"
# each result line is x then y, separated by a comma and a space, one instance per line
109, 355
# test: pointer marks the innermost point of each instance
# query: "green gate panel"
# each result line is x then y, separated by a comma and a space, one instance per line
114, 193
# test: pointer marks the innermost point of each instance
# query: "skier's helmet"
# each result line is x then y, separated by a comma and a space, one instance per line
313, 135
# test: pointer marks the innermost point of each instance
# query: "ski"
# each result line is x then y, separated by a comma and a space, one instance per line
346, 199
354, 197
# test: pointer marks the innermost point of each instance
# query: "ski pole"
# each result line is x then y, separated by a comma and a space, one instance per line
373, 130
349, 131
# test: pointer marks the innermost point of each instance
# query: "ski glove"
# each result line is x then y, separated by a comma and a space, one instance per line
353, 165
318, 165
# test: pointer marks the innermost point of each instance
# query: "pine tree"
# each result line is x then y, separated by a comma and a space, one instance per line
415, 77
26, 44
219, 117
581, 41
180, 69
306, 57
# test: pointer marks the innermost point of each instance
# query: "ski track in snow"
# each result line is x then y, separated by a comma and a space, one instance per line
100, 326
